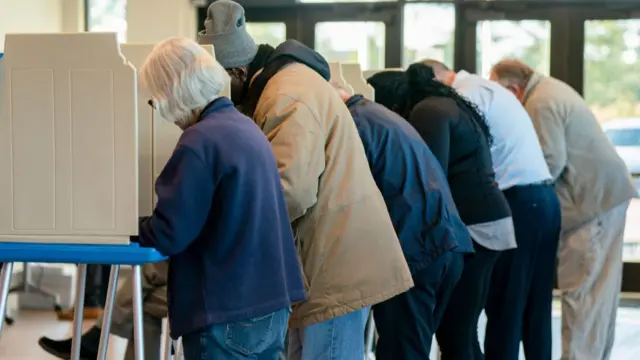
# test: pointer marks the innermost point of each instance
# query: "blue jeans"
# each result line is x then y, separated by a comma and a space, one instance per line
260, 338
336, 339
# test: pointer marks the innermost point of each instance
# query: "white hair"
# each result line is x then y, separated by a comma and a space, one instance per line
182, 79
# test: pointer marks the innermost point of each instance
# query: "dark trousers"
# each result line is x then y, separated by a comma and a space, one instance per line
96, 285
458, 332
520, 297
406, 323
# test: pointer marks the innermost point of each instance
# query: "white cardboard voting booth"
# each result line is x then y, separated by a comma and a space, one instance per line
79, 142
352, 74
335, 69
68, 140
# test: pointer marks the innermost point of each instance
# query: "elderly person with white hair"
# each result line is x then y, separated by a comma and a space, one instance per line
220, 216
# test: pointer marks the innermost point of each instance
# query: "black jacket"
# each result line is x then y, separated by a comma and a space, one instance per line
463, 151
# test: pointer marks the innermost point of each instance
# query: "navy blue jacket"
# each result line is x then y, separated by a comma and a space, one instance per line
222, 218
412, 183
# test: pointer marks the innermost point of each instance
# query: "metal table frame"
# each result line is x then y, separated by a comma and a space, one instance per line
116, 255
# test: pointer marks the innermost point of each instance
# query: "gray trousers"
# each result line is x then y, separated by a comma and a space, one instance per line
154, 293
589, 276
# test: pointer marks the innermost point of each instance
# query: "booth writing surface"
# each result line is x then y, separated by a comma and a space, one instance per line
68, 140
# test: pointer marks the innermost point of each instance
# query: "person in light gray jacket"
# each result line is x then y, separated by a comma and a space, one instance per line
595, 189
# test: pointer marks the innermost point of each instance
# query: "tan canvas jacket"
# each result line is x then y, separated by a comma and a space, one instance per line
349, 250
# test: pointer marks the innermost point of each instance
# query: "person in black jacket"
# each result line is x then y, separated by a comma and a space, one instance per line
433, 237
459, 138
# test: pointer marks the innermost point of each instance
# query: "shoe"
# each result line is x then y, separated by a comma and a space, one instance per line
62, 349
89, 313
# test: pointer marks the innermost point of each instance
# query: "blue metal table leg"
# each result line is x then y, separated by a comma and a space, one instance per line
5, 284
138, 335
78, 312
108, 310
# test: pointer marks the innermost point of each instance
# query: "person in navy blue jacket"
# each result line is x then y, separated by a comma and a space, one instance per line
221, 215
433, 237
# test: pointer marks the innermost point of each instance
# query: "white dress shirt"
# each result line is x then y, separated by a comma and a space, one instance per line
516, 152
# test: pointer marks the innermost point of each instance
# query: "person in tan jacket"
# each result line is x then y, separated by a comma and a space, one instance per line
594, 188
350, 253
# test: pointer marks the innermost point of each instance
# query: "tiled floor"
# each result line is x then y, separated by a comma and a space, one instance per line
19, 342
627, 345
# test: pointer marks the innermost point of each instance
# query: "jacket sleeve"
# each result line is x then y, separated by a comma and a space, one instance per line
184, 190
433, 127
551, 133
297, 141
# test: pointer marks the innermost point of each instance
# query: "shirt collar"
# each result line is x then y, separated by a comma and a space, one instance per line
533, 82
215, 105
460, 76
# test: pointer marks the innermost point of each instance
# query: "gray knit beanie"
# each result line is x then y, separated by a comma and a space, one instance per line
226, 29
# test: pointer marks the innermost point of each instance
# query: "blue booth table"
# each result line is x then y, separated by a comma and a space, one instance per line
114, 255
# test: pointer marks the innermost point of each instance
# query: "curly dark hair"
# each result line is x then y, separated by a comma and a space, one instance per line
402, 91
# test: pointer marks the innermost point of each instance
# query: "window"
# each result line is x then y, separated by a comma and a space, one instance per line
339, 1
527, 40
268, 33
624, 137
612, 68
364, 43
107, 16
428, 33
612, 90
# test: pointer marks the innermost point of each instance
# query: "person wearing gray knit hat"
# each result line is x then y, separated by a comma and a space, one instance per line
226, 29
349, 250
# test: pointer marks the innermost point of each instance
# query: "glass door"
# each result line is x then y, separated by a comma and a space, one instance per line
526, 40
366, 33
428, 32
365, 43
612, 90
502, 31
271, 33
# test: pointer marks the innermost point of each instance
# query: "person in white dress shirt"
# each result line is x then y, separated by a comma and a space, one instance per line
518, 305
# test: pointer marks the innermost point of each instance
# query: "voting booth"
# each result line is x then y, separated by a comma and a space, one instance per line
349, 76
352, 75
80, 149
80, 143
68, 146
337, 78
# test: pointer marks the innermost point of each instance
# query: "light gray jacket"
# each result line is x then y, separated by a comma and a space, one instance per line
590, 177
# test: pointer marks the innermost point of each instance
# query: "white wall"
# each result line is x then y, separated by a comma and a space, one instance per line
29, 16
148, 21
151, 21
